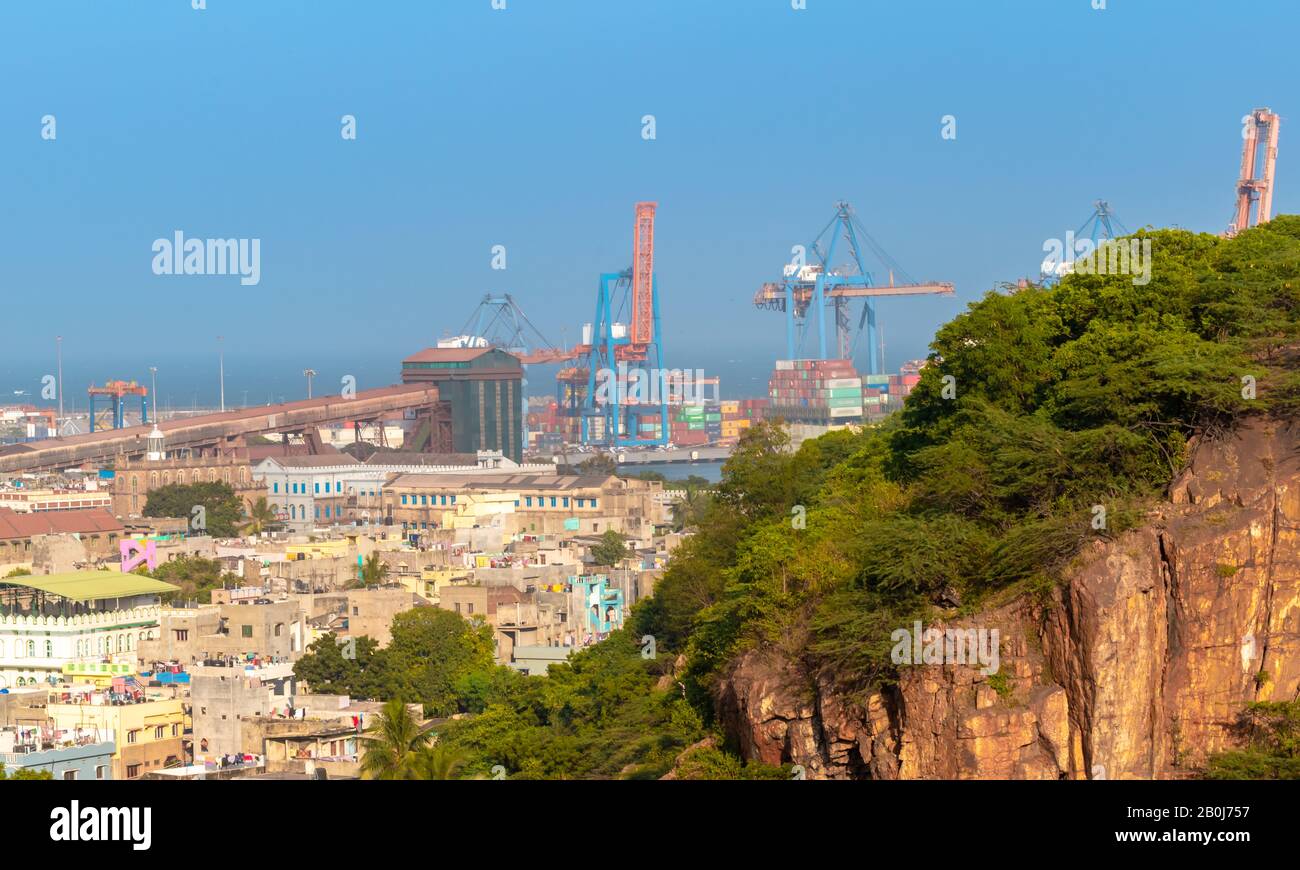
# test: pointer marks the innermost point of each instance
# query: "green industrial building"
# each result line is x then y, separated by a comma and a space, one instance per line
483, 387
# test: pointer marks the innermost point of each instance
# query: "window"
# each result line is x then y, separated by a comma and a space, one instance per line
424, 499
470, 607
31, 648
453, 499
318, 511
182, 634
444, 499
327, 487
593, 502
49, 649
101, 771
133, 736
246, 630
176, 730
132, 771
552, 501
403, 498
580, 501
158, 733
275, 487
566, 501
69, 774
279, 627
318, 489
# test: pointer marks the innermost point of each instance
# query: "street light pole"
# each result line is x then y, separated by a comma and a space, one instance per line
58, 350
221, 368
309, 374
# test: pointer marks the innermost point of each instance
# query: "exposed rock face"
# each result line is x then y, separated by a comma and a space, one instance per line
1152, 645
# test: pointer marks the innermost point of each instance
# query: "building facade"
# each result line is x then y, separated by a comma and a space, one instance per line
484, 387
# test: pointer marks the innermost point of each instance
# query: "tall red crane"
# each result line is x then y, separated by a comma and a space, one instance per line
1261, 126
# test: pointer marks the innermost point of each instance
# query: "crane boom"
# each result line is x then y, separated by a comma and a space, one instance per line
643, 270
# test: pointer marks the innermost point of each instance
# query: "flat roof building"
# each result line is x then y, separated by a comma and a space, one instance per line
484, 387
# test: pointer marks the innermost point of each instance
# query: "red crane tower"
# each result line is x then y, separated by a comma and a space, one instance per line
1261, 126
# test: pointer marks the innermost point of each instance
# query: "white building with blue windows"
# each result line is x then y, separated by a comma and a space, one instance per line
310, 492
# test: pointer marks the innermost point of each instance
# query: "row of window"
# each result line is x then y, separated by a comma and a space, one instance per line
424, 500
301, 489
159, 733
182, 479
102, 645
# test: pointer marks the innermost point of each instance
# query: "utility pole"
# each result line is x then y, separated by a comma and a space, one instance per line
221, 368
58, 350
309, 374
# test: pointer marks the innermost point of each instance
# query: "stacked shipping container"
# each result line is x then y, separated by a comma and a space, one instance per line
815, 391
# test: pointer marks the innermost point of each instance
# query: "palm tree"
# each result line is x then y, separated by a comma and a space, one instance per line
394, 744
440, 762
260, 517
374, 570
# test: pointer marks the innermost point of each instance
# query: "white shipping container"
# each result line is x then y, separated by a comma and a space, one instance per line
847, 412
784, 364
835, 383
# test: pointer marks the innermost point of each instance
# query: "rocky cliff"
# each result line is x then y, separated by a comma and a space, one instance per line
1135, 668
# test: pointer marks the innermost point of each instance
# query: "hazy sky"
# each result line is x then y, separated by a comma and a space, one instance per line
523, 128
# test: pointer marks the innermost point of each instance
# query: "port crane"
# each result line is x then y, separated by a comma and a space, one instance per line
624, 337
815, 280
1099, 227
116, 394
1255, 185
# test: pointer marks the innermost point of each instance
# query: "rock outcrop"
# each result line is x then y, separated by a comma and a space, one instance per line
1136, 668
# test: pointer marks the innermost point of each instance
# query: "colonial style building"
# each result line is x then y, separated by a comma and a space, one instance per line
50, 622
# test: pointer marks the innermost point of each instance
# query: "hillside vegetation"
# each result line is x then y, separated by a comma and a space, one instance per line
1046, 417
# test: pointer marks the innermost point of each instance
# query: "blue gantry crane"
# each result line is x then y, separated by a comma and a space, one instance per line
815, 279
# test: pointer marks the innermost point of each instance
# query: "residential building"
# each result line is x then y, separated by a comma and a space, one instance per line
226, 693
147, 732
525, 503
64, 755
94, 534
26, 501
48, 622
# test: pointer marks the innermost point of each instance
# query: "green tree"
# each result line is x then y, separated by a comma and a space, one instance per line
222, 508
373, 570
612, 548
1270, 731
196, 576
393, 744
261, 517
25, 773
440, 762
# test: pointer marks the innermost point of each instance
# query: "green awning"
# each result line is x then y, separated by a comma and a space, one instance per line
93, 585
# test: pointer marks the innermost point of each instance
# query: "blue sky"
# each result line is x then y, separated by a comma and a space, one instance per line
521, 127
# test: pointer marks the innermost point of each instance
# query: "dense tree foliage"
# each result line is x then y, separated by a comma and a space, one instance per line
1271, 734
1046, 417
433, 659
222, 509
196, 576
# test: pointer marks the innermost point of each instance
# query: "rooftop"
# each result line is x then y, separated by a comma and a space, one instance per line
497, 482
92, 585
25, 525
